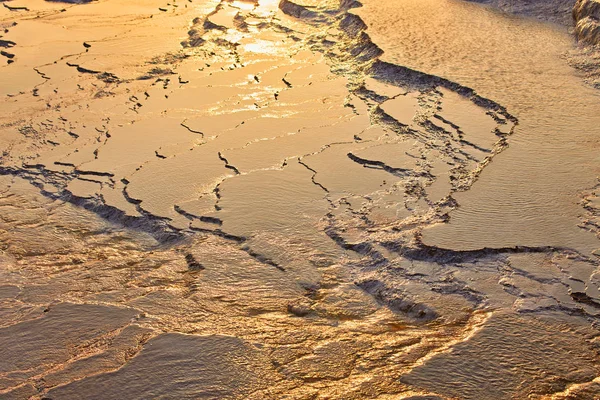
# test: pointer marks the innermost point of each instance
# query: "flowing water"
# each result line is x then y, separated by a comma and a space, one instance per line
311, 199
530, 194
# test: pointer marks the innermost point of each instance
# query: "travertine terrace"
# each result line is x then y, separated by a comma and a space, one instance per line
253, 200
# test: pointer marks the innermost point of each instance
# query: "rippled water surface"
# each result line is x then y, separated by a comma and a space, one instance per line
295, 200
530, 194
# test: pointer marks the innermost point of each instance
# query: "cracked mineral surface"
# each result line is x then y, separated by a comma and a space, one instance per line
236, 199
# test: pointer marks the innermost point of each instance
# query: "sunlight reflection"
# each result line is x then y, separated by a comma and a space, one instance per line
262, 47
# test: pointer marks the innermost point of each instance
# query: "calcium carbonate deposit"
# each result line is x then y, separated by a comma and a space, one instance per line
232, 199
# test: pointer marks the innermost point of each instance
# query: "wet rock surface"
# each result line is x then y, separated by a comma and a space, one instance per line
181, 366
586, 14
235, 208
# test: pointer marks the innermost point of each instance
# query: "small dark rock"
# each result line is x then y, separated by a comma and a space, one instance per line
193, 264
299, 309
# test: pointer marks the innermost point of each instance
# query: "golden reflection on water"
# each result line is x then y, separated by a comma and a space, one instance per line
297, 211
262, 47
